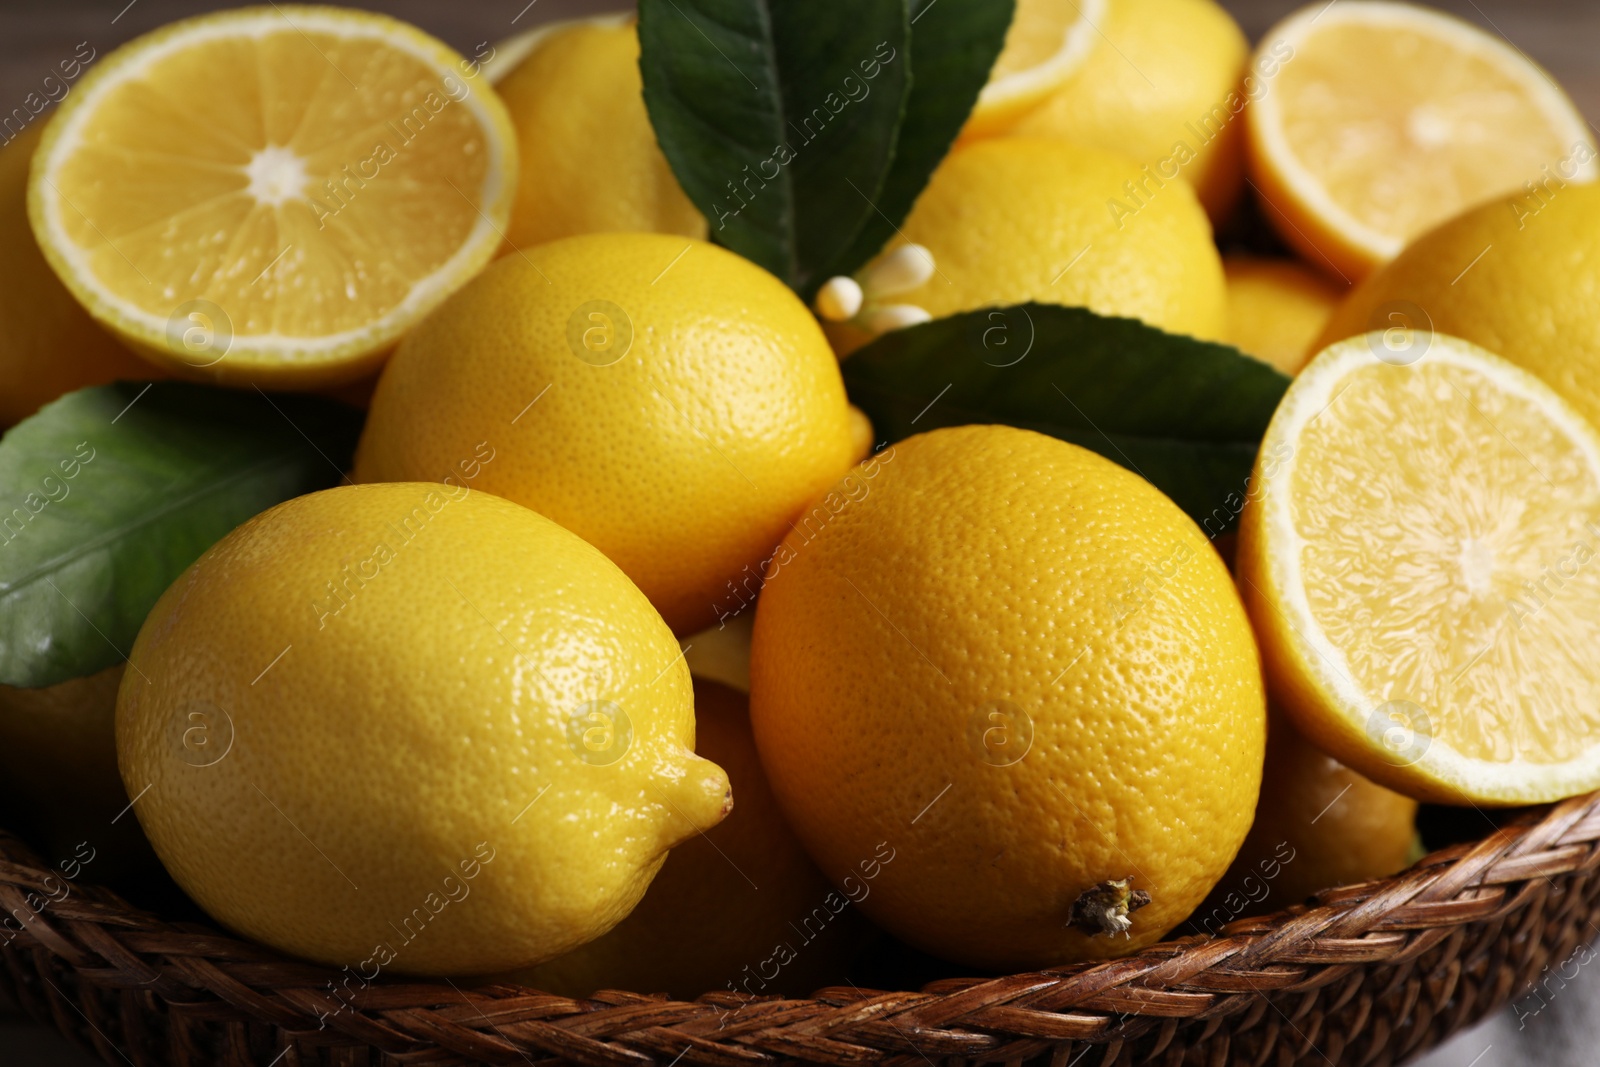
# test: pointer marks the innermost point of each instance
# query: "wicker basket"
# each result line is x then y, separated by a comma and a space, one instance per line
1370, 974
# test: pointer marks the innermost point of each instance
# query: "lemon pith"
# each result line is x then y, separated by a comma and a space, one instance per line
1415, 558
339, 186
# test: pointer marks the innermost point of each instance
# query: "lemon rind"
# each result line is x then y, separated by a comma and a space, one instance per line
1267, 122
509, 52
1039, 80
275, 352
1320, 667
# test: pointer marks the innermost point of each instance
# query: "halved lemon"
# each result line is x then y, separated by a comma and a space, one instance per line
1048, 41
1420, 555
1376, 121
273, 195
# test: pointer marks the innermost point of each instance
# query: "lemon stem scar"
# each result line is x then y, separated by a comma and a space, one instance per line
1104, 908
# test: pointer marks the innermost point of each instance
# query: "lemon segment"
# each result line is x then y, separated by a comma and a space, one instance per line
1047, 41
1417, 557
342, 179
1388, 119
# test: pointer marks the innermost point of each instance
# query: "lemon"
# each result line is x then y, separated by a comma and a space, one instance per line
1012, 220
1382, 120
1518, 277
1015, 682
48, 344
412, 729
739, 909
1318, 825
1162, 84
59, 785
1047, 41
273, 195
1416, 556
1277, 308
591, 162
664, 399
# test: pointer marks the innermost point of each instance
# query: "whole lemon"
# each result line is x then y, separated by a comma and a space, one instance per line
741, 908
411, 728
48, 344
1162, 84
1013, 220
1277, 308
1519, 277
666, 400
1318, 824
1024, 674
592, 164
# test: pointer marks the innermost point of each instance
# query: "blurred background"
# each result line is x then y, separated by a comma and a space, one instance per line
1561, 35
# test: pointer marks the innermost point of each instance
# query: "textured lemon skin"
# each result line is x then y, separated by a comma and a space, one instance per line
725, 901
1277, 308
48, 344
593, 165
1013, 220
411, 745
1520, 277
1160, 71
1318, 824
985, 564
683, 461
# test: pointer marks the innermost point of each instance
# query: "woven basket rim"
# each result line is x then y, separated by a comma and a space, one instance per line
1200, 980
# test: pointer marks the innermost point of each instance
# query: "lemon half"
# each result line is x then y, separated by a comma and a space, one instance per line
1381, 120
1419, 558
274, 194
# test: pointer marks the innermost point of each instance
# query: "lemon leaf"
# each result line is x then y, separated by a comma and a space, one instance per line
108, 493
1187, 415
780, 120
955, 44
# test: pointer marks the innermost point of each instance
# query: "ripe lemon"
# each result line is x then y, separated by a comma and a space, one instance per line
1416, 554
1318, 825
741, 908
411, 728
1046, 43
1385, 119
273, 195
48, 344
1021, 672
59, 786
1518, 277
666, 400
1012, 220
1277, 308
1161, 84
592, 163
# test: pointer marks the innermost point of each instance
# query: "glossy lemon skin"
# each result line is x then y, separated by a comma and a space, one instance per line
1162, 73
1021, 670
728, 908
362, 731
1012, 220
708, 411
1519, 277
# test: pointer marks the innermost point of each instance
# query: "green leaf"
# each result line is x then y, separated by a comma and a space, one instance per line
107, 494
1188, 415
779, 118
954, 44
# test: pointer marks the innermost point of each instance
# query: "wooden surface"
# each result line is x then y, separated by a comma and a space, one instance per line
35, 35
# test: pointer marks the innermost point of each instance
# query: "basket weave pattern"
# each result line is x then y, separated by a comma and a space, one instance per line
1370, 974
